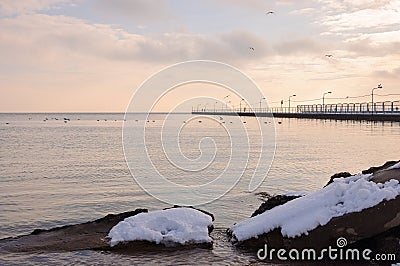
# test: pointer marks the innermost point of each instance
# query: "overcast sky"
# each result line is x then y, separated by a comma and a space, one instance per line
88, 55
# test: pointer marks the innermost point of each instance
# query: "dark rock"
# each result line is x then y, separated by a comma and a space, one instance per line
143, 246
374, 169
273, 202
89, 235
385, 243
264, 195
338, 175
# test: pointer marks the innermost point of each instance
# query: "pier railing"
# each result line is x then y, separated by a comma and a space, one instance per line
387, 107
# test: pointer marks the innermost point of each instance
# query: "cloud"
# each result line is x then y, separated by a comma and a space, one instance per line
303, 11
230, 47
249, 4
40, 39
369, 48
353, 18
299, 46
360, 28
350, 6
286, 3
12, 7
144, 10
384, 74
362, 19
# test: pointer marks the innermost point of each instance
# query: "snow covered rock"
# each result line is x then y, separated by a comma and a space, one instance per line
170, 227
354, 207
188, 227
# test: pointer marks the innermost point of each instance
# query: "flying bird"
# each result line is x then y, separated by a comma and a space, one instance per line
329, 55
270, 13
251, 48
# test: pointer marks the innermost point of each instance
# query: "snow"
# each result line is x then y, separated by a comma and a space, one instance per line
176, 225
295, 194
301, 215
396, 166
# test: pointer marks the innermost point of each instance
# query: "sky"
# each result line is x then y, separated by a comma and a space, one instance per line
92, 55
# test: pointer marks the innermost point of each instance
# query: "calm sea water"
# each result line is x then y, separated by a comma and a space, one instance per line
54, 173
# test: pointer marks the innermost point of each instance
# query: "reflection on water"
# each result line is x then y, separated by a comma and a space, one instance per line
54, 173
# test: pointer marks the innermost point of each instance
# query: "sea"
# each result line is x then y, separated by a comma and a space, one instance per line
66, 168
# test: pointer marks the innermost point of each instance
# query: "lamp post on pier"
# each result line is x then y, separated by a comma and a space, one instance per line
372, 96
323, 100
240, 105
263, 98
294, 95
226, 101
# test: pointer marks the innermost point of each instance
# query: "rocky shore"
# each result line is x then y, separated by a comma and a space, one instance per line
375, 227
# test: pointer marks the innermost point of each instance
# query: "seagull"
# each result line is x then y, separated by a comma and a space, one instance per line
329, 55
251, 48
270, 13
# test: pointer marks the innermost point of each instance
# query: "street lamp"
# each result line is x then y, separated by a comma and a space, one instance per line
226, 101
372, 95
263, 98
240, 105
214, 106
323, 100
294, 95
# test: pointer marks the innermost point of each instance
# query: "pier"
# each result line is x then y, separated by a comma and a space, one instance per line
379, 111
